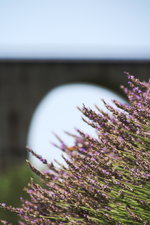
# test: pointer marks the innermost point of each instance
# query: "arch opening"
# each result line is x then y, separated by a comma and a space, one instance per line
58, 112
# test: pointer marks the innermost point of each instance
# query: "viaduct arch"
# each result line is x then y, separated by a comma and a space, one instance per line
24, 83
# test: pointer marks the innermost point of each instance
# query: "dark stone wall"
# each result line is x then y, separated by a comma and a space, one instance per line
24, 83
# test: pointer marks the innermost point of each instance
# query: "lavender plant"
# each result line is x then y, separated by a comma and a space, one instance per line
107, 179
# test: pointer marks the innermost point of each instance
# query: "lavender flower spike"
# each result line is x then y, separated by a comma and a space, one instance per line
107, 180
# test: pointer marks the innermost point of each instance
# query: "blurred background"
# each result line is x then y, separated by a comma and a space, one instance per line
48, 44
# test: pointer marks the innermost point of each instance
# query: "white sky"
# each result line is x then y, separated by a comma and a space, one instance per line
75, 29
57, 112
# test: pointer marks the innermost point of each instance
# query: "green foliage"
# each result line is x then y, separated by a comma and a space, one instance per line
12, 184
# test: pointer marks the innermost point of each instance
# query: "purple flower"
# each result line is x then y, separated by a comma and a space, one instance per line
107, 178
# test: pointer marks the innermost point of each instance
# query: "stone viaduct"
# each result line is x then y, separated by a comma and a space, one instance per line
24, 83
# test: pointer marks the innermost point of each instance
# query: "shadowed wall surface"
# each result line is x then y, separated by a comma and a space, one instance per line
23, 84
